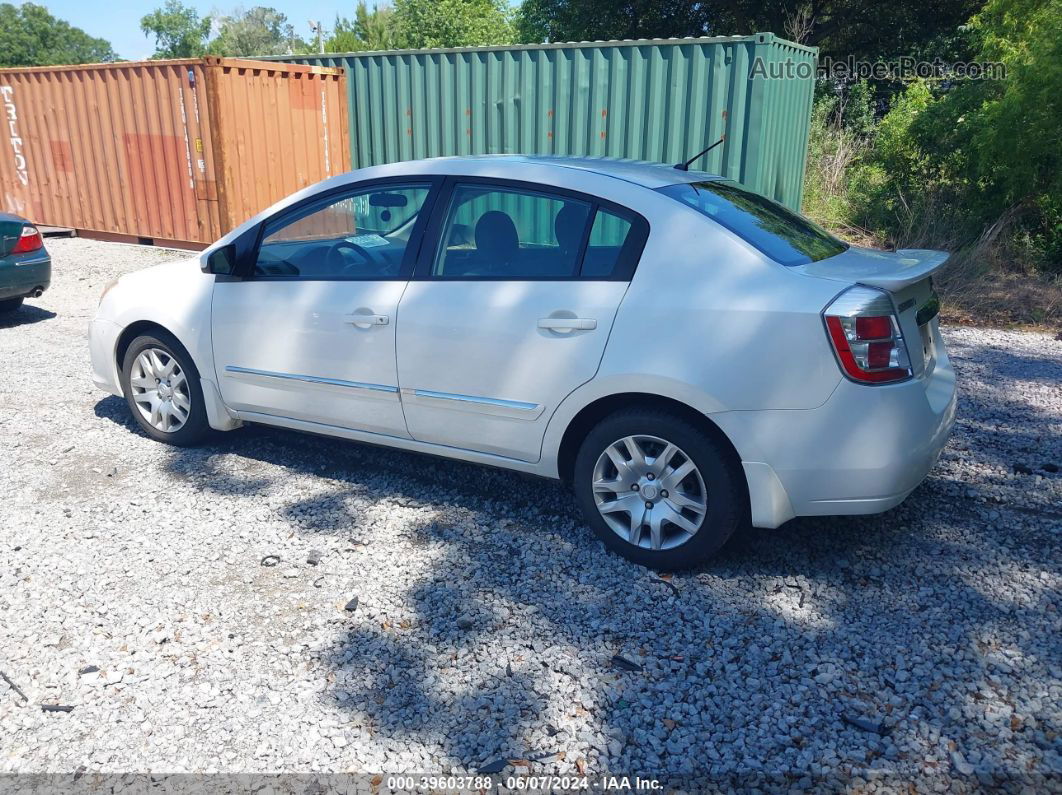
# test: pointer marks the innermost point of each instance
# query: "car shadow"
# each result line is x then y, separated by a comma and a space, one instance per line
499, 639
24, 316
530, 608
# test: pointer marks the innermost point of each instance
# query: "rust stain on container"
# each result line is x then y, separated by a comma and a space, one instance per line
176, 151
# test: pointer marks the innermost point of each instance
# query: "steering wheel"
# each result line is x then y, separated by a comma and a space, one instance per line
336, 261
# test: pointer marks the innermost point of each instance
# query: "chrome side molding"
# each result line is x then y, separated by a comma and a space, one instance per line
309, 379
514, 409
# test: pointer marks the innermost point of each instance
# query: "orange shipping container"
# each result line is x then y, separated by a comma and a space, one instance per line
172, 152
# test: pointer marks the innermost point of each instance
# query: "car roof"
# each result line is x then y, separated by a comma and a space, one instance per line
638, 172
12, 217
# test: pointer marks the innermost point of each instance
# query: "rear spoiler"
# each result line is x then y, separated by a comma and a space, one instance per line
888, 270
916, 264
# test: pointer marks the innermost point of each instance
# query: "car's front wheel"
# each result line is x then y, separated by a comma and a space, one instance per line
161, 385
658, 490
10, 304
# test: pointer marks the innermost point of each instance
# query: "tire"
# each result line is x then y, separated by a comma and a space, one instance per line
180, 418
710, 497
11, 304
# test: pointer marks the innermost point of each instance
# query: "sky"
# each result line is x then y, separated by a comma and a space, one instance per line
118, 21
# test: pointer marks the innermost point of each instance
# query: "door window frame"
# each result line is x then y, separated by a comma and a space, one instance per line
323, 199
629, 256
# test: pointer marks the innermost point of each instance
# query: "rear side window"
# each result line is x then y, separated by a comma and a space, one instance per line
511, 234
778, 232
502, 232
608, 236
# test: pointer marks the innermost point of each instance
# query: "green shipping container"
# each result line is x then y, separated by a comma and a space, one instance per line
661, 100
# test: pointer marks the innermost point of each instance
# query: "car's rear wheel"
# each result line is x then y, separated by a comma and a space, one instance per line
161, 385
658, 490
10, 304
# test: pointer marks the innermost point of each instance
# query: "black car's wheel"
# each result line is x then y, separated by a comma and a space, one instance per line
161, 385
658, 490
10, 304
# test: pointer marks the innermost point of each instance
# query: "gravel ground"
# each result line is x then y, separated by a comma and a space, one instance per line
133, 588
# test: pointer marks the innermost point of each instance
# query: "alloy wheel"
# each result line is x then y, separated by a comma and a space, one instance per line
649, 492
160, 390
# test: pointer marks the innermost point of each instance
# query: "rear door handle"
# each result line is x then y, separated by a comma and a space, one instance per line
567, 323
368, 321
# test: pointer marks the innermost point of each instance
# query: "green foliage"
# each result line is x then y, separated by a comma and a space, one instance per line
258, 31
896, 150
821, 196
424, 23
369, 30
597, 20
961, 164
1018, 150
842, 123
864, 29
178, 30
453, 23
857, 109
420, 24
30, 36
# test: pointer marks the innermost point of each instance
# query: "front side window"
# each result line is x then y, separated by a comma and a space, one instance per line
359, 235
778, 232
501, 233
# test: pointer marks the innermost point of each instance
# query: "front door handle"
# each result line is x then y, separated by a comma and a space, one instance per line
567, 323
368, 321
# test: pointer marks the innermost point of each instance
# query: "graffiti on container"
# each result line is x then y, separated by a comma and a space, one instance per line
11, 116
187, 141
324, 126
201, 162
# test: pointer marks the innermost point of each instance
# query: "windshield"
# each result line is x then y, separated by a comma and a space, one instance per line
778, 232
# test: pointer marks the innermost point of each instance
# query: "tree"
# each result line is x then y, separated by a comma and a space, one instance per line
453, 23
369, 30
178, 30
597, 20
969, 162
864, 29
30, 36
1015, 139
259, 31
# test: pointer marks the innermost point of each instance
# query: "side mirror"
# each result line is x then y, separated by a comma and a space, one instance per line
220, 261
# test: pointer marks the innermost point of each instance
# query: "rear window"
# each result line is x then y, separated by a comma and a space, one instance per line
779, 233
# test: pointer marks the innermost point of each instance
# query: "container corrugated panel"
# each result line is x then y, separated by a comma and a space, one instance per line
278, 128
174, 151
658, 100
108, 148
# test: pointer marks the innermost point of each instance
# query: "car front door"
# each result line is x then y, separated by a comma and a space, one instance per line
509, 311
308, 333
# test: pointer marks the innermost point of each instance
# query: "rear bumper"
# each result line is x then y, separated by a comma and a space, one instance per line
25, 277
863, 451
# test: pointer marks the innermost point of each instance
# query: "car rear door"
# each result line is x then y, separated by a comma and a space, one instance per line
309, 333
509, 311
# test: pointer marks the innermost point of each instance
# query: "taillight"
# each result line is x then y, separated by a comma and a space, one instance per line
29, 240
865, 333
